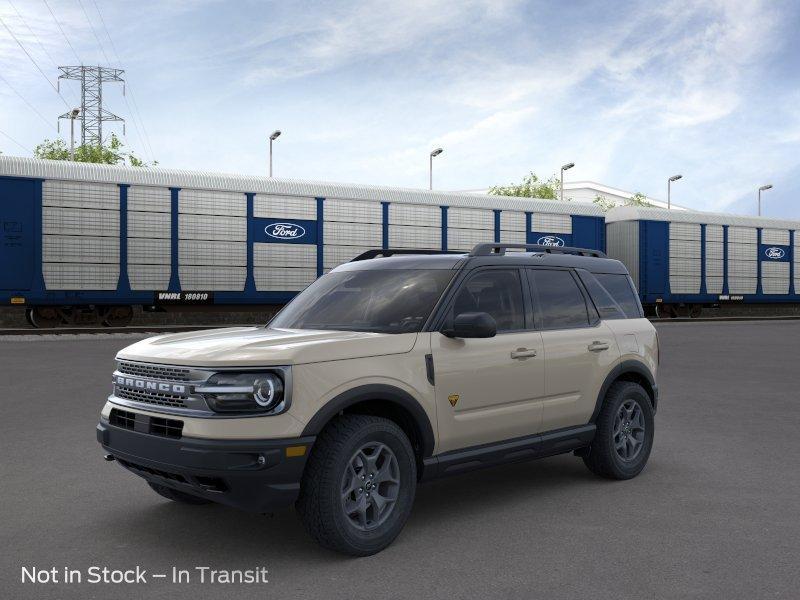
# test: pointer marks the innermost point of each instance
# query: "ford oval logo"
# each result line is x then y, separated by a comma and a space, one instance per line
285, 231
775, 253
550, 240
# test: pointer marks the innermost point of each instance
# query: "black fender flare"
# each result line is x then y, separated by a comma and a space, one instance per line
623, 368
375, 391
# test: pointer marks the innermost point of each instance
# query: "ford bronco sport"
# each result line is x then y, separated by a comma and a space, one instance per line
397, 367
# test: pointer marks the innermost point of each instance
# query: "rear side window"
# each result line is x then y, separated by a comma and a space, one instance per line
494, 291
559, 299
621, 289
607, 307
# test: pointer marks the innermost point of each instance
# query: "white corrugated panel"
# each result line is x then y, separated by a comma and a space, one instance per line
684, 231
333, 256
470, 218
633, 213
204, 252
684, 248
284, 207
715, 233
684, 266
80, 276
205, 202
775, 277
149, 225
623, 245
551, 223
208, 227
207, 278
512, 220
714, 250
74, 248
353, 234
352, 211
149, 199
742, 285
742, 235
742, 268
76, 221
404, 236
775, 236
715, 267
714, 285
80, 194
513, 237
414, 214
285, 255
143, 251
466, 239
148, 277
271, 279
742, 252
684, 284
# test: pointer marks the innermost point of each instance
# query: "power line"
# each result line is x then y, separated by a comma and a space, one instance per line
61, 29
99, 43
16, 142
21, 97
38, 41
136, 114
35, 64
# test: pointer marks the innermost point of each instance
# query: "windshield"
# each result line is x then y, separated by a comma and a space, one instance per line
381, 301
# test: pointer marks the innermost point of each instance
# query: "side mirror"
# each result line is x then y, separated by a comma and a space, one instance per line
472, 325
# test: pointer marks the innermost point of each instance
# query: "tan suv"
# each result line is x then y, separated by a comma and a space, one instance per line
394, 368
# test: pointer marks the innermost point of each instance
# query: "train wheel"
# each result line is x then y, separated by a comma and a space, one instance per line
44, 317
695, 310
118, 316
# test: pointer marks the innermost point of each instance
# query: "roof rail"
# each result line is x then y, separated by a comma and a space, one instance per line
369, 254
489, 249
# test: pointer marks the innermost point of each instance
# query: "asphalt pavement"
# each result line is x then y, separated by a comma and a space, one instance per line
716, 513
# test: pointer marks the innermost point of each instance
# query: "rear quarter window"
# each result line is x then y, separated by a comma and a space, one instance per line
620, 288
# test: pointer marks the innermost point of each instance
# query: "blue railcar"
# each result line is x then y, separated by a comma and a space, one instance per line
682, 261
86, 241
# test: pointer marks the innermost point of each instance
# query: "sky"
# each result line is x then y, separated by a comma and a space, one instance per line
631, 92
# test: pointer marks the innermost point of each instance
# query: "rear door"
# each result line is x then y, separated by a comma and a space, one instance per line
17, 227
579, 348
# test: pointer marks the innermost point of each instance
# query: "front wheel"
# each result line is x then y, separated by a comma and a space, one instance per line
359, 485
624, 437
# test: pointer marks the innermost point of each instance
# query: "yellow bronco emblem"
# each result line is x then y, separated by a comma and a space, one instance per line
453, 398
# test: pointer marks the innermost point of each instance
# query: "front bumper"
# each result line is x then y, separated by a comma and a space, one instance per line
254, 475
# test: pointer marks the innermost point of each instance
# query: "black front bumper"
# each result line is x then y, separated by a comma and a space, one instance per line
254, 475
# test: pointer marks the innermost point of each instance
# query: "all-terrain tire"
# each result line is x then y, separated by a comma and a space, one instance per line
605, 456
177, 496
321, 503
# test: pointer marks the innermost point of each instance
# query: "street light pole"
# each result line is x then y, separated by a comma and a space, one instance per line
669, 189
436, 152
273, 136
564, 168
72, 115
763, 188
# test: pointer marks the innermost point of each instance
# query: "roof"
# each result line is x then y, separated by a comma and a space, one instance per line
455, 261
636, 213
14, 166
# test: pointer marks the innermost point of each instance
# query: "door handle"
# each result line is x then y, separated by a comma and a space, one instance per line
522, 353
598, 346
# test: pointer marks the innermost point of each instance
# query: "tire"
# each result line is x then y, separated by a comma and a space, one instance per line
606, 453
177, 496
350, 448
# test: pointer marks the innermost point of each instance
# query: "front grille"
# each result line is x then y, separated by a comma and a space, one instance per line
141, 469
150, 397
154, 371
122, 418
171, 428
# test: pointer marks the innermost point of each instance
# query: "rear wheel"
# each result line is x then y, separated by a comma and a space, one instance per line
117, 316
359, 485
177, 496
44, 317
624, 437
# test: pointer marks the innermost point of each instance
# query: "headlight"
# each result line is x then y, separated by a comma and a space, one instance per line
244, 392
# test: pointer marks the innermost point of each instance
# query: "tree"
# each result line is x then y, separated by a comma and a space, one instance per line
113, 153
606, 204
531, 187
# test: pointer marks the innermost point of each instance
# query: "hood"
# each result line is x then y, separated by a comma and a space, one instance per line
258, 346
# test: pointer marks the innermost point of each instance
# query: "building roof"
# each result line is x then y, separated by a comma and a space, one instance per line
157, 176
637, 213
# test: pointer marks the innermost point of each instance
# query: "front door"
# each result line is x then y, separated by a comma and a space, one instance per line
489, 389
17, 229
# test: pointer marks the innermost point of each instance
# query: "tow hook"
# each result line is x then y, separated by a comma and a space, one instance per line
109, 457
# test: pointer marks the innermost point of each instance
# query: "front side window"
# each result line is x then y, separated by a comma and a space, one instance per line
380, 301
497, 292
560, 300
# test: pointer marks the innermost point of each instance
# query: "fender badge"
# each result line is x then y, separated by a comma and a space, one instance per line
452, 399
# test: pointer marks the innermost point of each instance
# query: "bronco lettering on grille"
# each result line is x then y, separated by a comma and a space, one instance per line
153, 386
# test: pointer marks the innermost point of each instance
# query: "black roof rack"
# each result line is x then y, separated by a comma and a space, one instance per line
369, 254
489, 249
